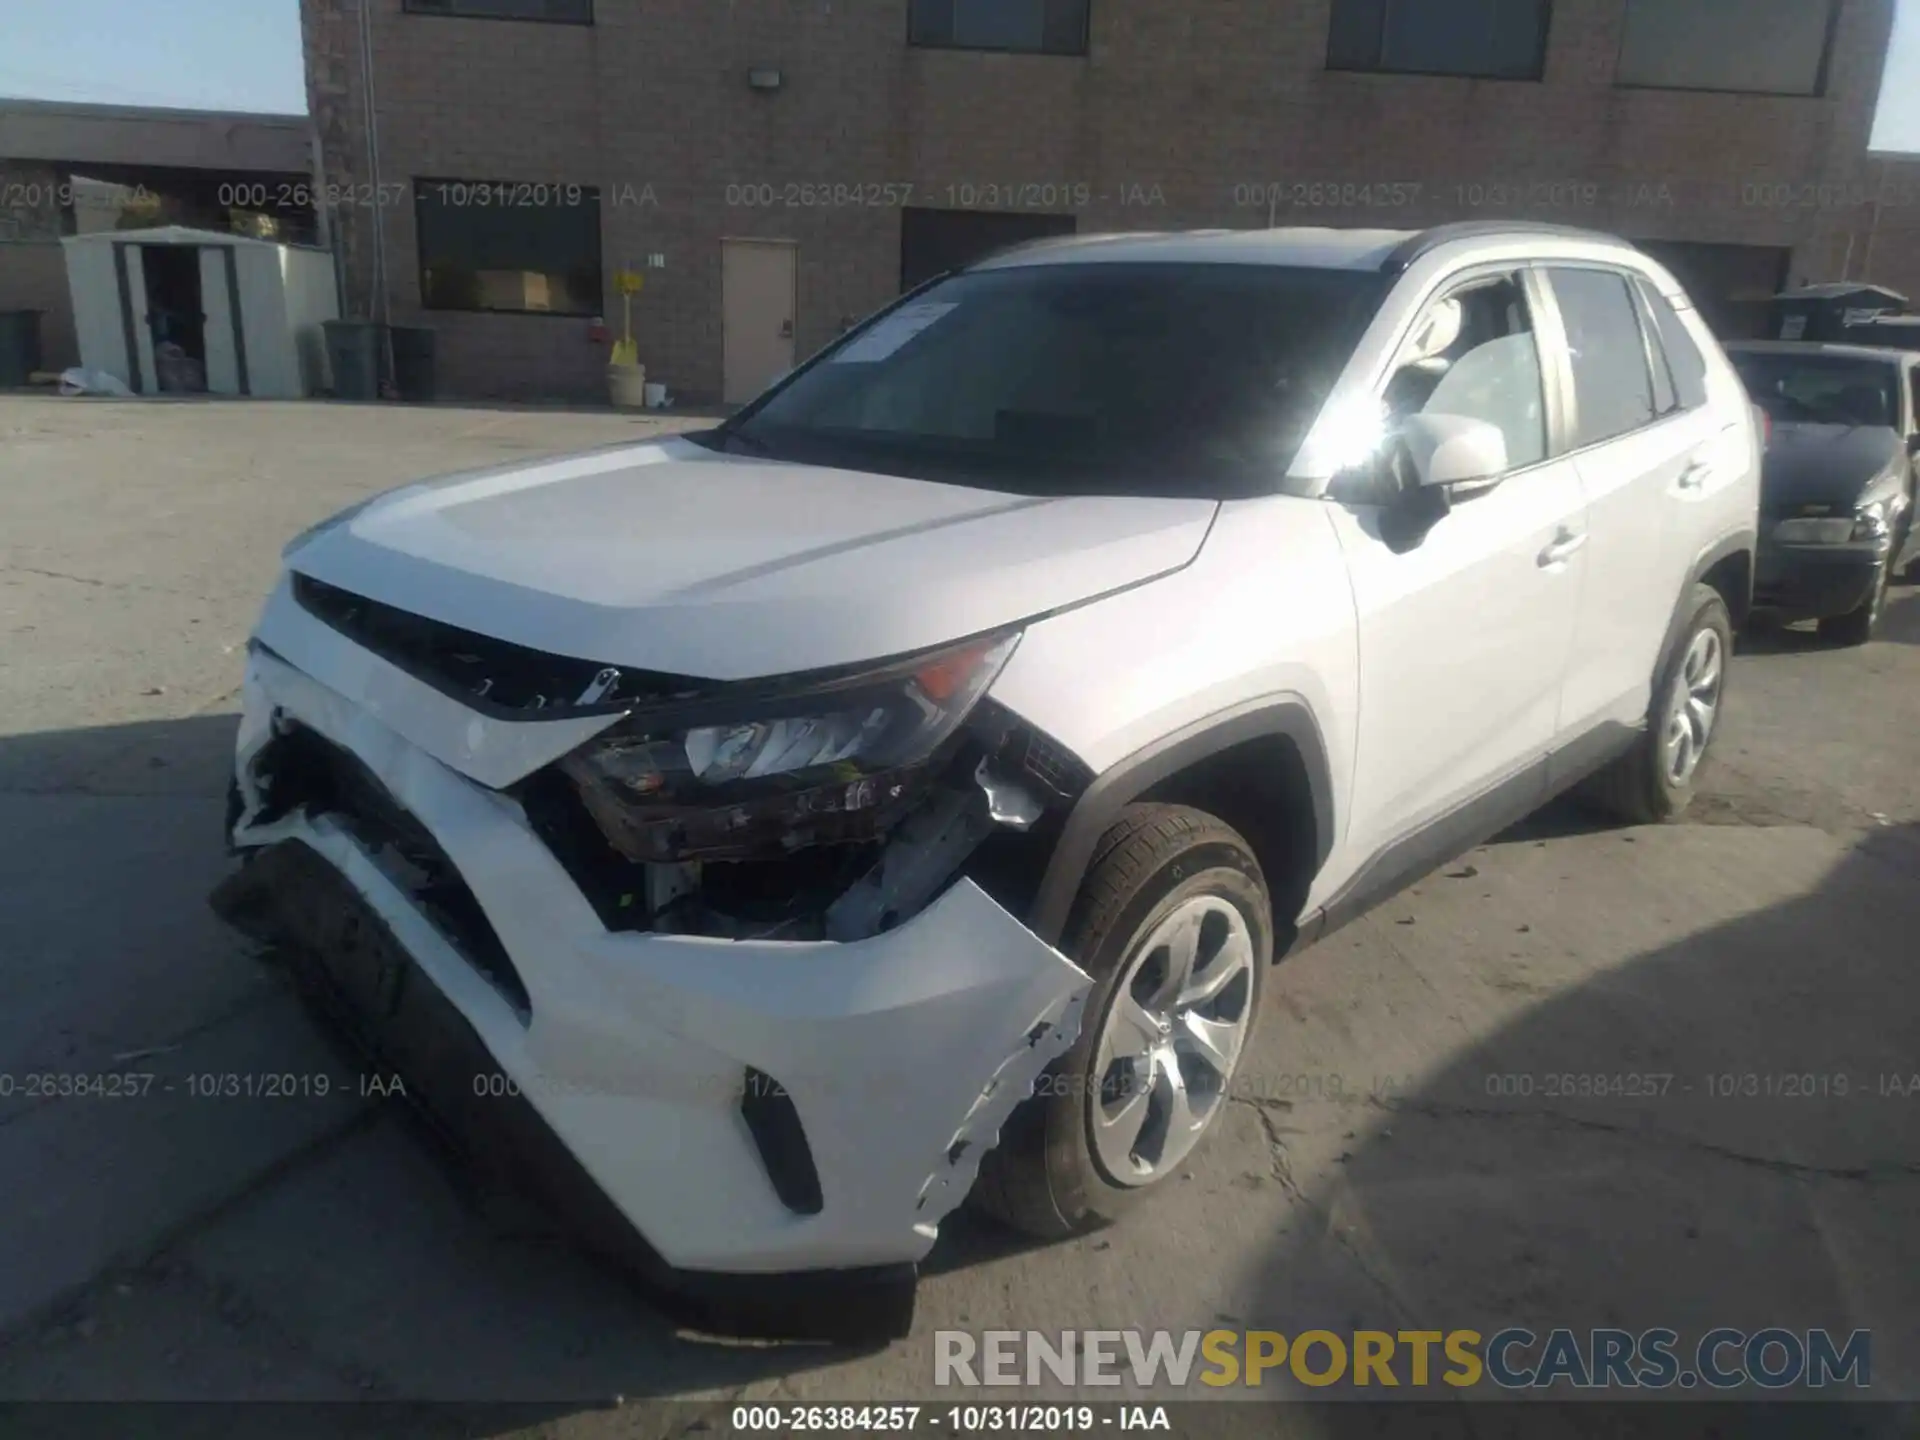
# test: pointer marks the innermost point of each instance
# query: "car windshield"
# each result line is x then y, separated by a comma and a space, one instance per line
1821, 389
1095, 378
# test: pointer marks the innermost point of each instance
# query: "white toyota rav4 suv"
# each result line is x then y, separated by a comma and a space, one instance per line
760, 839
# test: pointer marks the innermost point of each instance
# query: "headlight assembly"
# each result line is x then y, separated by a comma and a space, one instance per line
831, 757
1809, 530
1868, 523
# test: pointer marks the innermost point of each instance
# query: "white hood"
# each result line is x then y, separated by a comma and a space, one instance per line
668, 556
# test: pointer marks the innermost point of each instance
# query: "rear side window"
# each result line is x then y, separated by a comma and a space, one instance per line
1688, 365
1613, 388
1666, 401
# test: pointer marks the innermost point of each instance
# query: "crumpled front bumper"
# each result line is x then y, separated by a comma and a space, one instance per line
902, 1054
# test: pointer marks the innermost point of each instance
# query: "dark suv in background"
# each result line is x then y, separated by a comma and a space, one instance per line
1837, 487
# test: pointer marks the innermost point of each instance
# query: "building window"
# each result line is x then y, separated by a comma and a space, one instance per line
933, 242
1761, 47
1488, 39
561, 12
513, 247
1040, 27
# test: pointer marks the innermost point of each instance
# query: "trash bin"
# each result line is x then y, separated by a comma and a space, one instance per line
19, 346
1826, 312
353, 355
413, 377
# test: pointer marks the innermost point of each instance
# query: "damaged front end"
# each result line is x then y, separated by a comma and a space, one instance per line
747, 951
824, 810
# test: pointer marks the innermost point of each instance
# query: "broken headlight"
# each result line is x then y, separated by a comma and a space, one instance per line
824, 759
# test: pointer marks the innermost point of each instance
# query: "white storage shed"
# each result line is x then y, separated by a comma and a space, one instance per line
173, 309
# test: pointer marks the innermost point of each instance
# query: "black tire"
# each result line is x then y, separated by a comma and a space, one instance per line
1856, 627
1044, 1178
1636, 788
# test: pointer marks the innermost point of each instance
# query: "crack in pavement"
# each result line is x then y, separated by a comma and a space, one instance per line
1864, 1173
1341, 1236
258, 999
173, 1237
99, 584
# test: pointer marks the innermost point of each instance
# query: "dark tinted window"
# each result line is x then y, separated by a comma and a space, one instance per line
1052, 27
574, 12
1613, 391
933, 242
1499, 39
1816, 389
506, 245
1684, 360
1769, 47
1111, 378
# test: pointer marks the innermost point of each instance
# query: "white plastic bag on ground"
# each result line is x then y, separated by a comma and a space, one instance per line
91, 382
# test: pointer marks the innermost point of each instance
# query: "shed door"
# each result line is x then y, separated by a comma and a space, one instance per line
225, 342
136, 335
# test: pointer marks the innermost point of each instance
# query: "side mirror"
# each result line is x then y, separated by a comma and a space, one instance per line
1453, 449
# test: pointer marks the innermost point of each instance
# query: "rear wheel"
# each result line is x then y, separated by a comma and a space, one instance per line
1654, 781
1174, 925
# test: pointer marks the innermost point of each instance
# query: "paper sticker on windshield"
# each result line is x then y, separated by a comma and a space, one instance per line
890, 334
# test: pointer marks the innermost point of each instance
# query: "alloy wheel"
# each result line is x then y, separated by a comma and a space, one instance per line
1172, 1036
1693, 707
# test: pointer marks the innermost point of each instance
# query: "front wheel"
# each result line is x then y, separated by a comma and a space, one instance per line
1174, 925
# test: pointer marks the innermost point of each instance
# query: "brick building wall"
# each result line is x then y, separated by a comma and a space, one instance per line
33, 267
1175, 118
1886, 242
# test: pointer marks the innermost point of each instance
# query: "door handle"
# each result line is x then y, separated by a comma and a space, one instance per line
1694, 477
1564, 547
786, 329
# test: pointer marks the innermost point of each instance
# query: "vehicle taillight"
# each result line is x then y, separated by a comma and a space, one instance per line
1766, 429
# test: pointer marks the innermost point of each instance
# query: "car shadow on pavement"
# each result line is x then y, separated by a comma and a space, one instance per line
342, 1255
1900, 622
1766, 634
1723, 1131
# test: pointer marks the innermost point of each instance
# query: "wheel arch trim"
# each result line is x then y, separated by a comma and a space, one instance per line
1740, 542
1286, 716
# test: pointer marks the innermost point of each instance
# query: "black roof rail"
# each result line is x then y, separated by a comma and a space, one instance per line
1427, 241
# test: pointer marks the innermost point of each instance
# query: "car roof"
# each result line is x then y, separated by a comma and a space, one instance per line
1820, 347
1390, 252
1308, 247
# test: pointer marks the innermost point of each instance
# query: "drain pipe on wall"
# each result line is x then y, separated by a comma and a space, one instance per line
381, 305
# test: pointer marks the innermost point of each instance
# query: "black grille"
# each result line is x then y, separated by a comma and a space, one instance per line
1054, 767
493, 676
